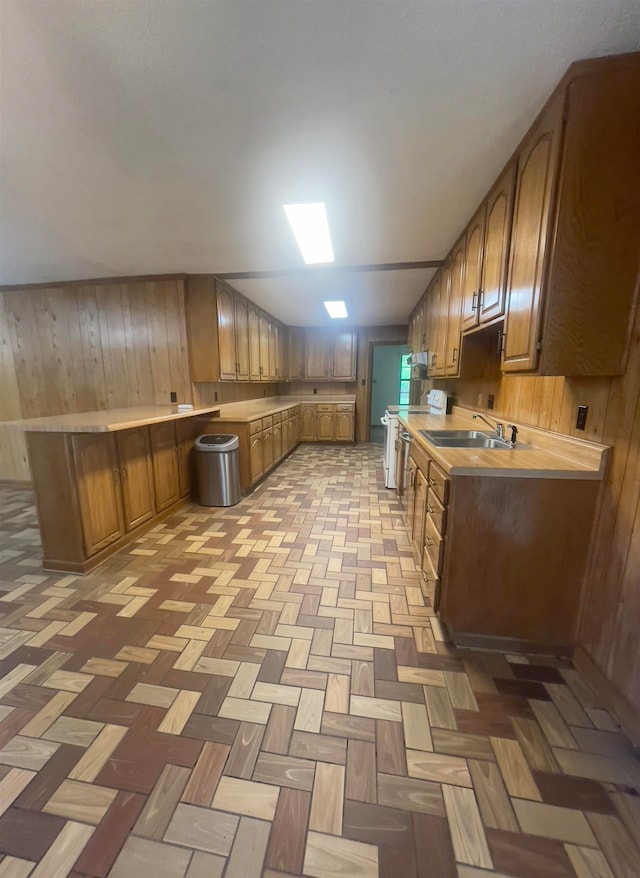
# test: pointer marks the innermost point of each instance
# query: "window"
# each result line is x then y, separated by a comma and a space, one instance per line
405, 377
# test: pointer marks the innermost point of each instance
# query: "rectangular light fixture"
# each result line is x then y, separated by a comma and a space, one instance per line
336, 309
311, 229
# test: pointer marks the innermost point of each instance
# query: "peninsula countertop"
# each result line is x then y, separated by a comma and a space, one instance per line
109, 420
537, 453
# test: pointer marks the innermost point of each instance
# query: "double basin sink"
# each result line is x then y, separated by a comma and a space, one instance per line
467, 439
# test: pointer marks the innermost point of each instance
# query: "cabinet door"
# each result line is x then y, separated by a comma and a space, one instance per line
267, 449
537, 168
454, 322
273, 349
419, 511
186, 432
226, 333
410, 487
344, 426
242, 339
256, 467
325, 426
296, 353
253, 316
432, 312
296, 429
344, 356
496, 247
99, 494
307, 423
136, 476
283, 353
440, 306
277, 442
316, 356
264, 347
473, 269
165, 464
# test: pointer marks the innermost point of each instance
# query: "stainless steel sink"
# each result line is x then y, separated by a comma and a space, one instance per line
466, 439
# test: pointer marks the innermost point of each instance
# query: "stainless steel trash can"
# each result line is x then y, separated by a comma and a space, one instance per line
218, 469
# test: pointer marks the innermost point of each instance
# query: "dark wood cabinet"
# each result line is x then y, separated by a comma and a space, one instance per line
99, 491
164, 455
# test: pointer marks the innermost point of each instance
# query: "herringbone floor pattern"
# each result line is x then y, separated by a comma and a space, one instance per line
261, 691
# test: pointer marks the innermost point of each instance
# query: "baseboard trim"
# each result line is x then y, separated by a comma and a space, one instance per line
627, 714
16, 483
494, 643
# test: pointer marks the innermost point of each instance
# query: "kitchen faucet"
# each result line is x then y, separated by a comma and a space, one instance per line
499, 428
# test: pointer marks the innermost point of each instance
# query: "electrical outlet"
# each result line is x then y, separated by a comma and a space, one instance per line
215, 396
315, 389
490, 399
363, 382
173, 396
581, 420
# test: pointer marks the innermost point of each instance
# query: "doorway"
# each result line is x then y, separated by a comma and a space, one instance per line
387, 384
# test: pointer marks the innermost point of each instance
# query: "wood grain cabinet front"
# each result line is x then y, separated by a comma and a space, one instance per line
136, 476
99, 489
502, 557
307, 423
164, 454
326, 423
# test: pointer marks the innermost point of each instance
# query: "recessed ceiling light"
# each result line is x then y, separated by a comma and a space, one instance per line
311, 229
336, 309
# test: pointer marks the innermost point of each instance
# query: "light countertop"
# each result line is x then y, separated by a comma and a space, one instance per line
109, 420
537, 453
249, 409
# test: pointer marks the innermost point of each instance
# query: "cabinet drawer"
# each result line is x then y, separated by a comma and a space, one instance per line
267, 422
255, 426
433, 544
437, 511
324, 407
345, 407
439, 483
277, 417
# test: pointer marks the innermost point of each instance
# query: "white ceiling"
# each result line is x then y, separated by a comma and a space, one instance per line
153, 136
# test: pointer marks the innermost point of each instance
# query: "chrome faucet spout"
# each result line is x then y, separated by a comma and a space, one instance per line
499, 428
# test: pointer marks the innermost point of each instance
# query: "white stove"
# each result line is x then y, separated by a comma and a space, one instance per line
436, 404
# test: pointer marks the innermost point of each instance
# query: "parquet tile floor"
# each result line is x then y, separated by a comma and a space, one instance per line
262, 691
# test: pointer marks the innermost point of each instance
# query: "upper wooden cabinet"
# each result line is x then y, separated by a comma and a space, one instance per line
536, 175
254, 342
437, 316
226, 333
454, 310
317, 352
569, 312
487, 251
241, 315
343, 364
296, 350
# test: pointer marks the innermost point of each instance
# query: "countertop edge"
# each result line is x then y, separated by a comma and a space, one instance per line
139, 421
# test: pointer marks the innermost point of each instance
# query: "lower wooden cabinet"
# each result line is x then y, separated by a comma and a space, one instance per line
136, 476
326, 423
307, 423
164, 454
345, 422
98, 489
256, 466
502, 557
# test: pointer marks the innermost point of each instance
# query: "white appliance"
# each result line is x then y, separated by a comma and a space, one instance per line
436, 404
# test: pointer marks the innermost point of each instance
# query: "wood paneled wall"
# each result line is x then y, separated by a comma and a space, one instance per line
212, 392
78, 347
610, 616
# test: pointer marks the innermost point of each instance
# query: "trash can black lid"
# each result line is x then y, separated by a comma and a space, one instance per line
217, 442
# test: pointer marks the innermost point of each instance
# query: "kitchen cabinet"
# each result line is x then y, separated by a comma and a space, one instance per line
164, 456
99, 490
576, 227
417, 329
256, 460
226, 333
277, 438
296, 358
136, 476
502, 557
487, 250
253, 319
343, 361
264, 346
317, 353
537, 168
307, 423
241, 318
438, 305
345, 418
267, 449
453, 319
325, 423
